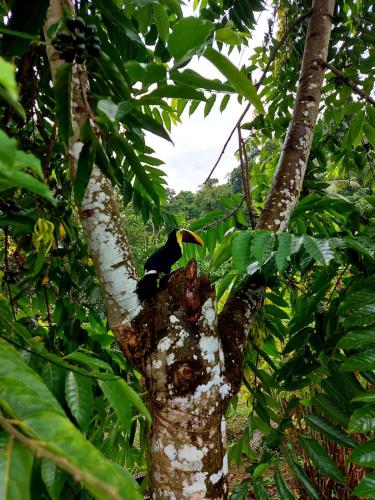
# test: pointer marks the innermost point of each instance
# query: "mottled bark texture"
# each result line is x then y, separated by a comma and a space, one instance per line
191, 360
288, 179
174, 341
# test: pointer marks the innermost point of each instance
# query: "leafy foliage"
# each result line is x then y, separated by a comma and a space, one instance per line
66, 390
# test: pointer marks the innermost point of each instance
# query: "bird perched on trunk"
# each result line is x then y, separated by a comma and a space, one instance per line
162, 260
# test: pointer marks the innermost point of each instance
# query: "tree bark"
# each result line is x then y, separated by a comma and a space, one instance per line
190, 358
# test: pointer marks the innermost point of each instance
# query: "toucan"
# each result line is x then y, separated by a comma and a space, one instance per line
162, 260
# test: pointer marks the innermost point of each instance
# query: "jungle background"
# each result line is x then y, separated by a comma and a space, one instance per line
302, 425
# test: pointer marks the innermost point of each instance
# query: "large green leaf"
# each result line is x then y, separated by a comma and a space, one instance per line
366, 397
53, 478
79, 396
259, 489
16, 463
321, 459
301, 476
325, 427
358, 338
363, 420
362, 316
161, 20
327, 406
364, 454
361, 361
26, 398
238, 79
241, 250
319, 249
283, 251
119, 394
63, 95
180, 91
137, 168
188, 36
366, 488
262, 244
190, 77
282, 487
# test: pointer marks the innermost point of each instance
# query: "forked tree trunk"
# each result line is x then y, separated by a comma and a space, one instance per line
191, 358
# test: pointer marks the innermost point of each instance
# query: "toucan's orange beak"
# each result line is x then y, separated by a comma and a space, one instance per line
190, 237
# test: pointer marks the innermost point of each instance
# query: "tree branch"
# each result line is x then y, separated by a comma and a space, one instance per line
242, 305
290, 171
347, 81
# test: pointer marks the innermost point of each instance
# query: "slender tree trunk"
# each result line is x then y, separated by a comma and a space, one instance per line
191, 359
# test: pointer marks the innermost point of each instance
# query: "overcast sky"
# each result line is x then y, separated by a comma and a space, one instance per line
198, 141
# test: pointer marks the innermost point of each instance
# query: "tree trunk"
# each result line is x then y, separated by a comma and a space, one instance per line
190, 358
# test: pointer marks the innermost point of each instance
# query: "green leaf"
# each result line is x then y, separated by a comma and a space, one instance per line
325, 427
149, 123
161, 20
9, 92
327, 406
282, 487
357, 299
362, 420
262, 244
180, 91
319, 249
224, 102
137, 168
84, 170
360, 361
79, 396
369, 131
16, 463
118, 392
366, 397
226, 35
239, 81
259, 489
364, 454
283, 251
222, 252
362, 316
357, 338
321, 459
366, 488
194, 79
188, 36
63, 96
39, 415
53, 478
108, 108
241, 250
301, 476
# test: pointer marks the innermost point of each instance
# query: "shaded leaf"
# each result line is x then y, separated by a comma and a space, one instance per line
321, 459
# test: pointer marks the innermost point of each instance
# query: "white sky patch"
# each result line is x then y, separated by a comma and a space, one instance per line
198, 140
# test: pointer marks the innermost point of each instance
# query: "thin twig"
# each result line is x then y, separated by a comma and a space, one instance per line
225, 217
245, 177
271, 58
347, 81
38, 447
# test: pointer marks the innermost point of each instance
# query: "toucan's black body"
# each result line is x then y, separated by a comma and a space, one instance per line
162, 260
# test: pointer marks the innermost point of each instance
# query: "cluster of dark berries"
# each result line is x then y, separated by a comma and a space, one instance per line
79, 42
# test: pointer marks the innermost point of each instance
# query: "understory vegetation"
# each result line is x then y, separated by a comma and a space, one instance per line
74, 415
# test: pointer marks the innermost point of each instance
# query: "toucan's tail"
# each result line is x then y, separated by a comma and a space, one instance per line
147, 286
